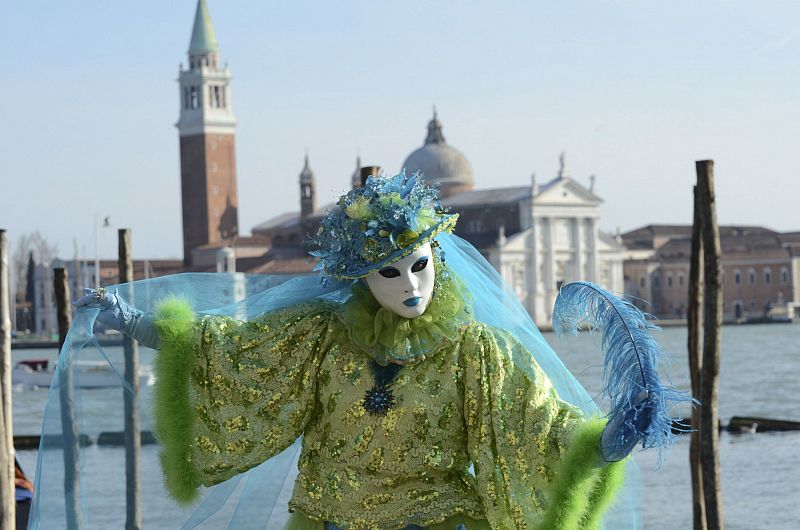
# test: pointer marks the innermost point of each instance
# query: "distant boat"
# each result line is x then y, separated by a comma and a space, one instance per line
88, 374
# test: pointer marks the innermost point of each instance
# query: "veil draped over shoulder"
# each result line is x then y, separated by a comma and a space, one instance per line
257, 498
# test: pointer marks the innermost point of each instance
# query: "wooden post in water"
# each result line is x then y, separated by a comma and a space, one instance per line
133, 512
694, 317
712, 331
7, 491
69, 422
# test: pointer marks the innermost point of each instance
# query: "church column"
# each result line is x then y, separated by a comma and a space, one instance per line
533, 271
594, 263
550, 280
579, 251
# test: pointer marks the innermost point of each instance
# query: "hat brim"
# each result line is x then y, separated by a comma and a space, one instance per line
447, 223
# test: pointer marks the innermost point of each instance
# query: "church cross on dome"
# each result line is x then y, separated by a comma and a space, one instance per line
435, 135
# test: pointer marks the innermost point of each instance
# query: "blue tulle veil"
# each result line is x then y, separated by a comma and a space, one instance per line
256, 499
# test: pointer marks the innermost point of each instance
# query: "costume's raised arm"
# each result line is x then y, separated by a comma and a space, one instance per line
231, 394
537, 460
518, 428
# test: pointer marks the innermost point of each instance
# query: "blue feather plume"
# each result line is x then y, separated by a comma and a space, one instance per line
632, 356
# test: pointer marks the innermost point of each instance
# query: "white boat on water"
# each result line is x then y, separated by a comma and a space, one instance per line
87, 374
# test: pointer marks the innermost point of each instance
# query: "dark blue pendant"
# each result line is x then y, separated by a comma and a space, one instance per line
378, 400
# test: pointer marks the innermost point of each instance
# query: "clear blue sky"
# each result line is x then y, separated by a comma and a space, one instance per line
634, 92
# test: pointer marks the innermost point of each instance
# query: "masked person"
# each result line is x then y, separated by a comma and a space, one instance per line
414, 378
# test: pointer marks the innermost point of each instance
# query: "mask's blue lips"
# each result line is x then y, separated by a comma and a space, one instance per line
411, 302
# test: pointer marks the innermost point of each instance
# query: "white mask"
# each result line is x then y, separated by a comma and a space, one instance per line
405, 286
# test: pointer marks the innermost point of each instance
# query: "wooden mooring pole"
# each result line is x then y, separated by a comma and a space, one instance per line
69, 422
7, 490
133, 512
694, 317
712, 332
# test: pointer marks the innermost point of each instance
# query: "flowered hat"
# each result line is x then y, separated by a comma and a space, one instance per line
378, 224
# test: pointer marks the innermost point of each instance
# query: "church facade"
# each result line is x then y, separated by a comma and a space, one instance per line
540, 237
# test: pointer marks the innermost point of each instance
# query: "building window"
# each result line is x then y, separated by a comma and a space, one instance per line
656, 281
784, 276
751, 276
641, 281
737, 277
193, 101
224, 97
475, 226
185, 98
669, 282
768, 276
214, 96
519, 279
680, 279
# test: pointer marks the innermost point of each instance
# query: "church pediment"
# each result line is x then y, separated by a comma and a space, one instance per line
566, 191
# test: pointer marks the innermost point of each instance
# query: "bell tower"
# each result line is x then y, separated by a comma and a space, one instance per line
206, 128
308, 192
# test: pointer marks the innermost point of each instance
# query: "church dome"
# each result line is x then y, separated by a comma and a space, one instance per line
441, 163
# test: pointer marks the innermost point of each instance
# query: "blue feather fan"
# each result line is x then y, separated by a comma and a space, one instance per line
631, 359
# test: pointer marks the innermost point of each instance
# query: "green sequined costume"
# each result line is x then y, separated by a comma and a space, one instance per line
232, 394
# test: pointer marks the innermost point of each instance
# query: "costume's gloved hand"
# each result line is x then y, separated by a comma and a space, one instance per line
621, 433
117, 314
114, 313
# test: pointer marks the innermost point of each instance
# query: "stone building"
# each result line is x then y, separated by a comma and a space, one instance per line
441, 161
81, 274
206, 129
541, 236
760, 270
538, 236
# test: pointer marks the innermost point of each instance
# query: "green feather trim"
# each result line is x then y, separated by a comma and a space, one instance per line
582, 492
174, 416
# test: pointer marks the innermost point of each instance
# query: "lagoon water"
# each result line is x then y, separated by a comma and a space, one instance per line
759, 377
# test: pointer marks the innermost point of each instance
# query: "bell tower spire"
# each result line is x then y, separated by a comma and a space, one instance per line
206, 128
308, 192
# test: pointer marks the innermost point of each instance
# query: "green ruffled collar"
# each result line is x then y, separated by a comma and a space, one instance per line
388, 337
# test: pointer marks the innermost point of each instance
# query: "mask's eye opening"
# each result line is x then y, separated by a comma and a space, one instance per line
420, 264
389, 272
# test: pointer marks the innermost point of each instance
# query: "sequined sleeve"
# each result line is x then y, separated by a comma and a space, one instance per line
517, 427
231, 394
